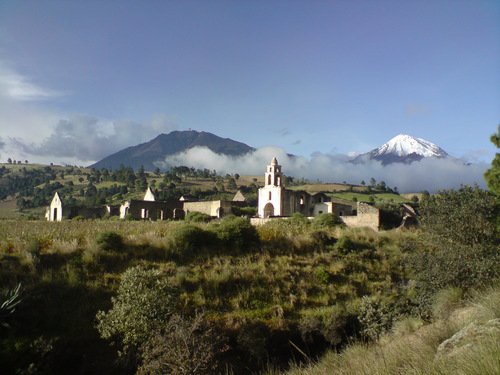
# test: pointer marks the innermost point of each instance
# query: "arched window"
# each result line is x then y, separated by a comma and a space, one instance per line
269, 179
269, 195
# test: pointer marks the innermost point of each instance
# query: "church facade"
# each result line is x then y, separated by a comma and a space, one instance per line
277, 201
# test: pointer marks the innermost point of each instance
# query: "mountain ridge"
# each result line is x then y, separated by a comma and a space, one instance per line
147, 153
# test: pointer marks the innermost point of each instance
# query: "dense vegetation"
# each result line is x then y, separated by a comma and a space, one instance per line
251, 297
298, 296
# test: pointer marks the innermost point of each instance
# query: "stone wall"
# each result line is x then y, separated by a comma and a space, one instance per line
367, 216
211, 208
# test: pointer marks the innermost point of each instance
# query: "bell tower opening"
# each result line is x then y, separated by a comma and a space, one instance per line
273, 176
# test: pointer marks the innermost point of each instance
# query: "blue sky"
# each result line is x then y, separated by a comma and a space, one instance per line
305, 76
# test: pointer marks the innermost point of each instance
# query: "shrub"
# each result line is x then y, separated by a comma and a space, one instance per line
465, 216
375, 316
326, 220
345, 245
110, 241
184, 347
188, 240
334, 324
244, 211
143, 305
236, 233
458, 266
197, 217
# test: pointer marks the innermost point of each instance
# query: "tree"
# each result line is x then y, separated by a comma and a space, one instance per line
185, 346
231, 184
492, 175
9, 160
363, 182
143, 305
373, 182
466, 216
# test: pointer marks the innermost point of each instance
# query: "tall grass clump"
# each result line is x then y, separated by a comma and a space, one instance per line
236, 234
108, 241
187, 241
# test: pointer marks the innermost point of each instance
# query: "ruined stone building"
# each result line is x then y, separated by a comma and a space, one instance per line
58, 211
277, 201
150, 209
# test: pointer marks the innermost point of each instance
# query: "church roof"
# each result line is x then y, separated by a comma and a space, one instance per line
274, 161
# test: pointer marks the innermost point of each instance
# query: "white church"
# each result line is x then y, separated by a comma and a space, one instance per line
277, 201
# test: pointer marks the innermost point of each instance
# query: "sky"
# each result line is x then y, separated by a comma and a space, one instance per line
81, 80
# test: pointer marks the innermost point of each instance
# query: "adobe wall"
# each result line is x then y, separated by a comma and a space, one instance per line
150, 210
211, 208
367, 216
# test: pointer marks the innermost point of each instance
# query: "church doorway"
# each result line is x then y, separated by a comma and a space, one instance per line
268, 210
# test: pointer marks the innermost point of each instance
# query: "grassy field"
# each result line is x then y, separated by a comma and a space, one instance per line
412, 347
285, 285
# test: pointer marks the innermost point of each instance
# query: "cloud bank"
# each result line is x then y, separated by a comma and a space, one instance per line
88, 139
427, 174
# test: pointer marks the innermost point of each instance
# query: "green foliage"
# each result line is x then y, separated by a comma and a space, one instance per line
445, 302
326, 220
108, 241
375, 316
458, 266
236, 233
344, 244
244, 211
465, 216
333, 323
188, 240
143, 305
492, 175
184, 346
197, 217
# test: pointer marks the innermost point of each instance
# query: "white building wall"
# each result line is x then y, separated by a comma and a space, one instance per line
276, 199
322, 208
55, 208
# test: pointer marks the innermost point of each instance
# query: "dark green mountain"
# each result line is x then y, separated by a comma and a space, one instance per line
157, 149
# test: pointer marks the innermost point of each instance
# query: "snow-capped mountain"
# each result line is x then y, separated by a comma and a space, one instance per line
403, 149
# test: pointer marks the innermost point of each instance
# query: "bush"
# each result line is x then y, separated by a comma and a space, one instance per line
375, 316
334, 324
197, 217
189, 240
467, 216
184, 347
236, 233
457, 266
110, 241
143, 305
326, 220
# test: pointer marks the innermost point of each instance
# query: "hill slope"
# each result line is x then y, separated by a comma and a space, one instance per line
148, 153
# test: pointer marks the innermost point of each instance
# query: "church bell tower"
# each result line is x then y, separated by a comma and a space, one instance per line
270, 196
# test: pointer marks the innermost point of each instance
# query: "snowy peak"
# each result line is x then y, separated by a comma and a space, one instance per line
403, 145
403, 149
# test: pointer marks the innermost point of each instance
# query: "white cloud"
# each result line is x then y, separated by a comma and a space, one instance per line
18, 87
87, 139
428, 174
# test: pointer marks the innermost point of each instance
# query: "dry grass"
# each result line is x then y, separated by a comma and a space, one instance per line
411, 347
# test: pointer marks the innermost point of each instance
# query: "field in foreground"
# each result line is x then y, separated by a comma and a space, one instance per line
108, 296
